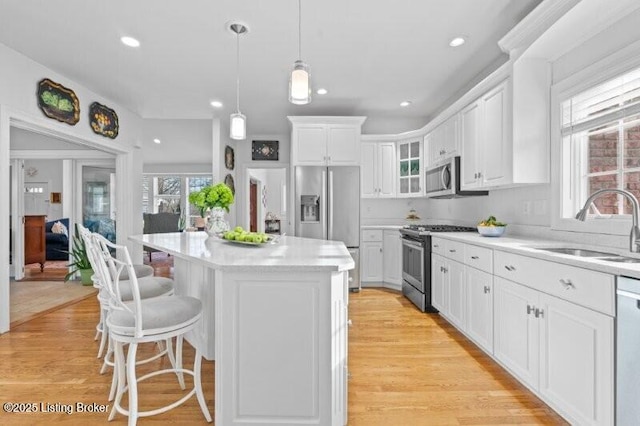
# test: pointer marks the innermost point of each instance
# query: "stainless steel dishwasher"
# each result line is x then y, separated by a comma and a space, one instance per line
628, 352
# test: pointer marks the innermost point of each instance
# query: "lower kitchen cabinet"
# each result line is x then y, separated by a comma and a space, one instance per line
392, 257
371, 258
479, 325
448, 288
561, 350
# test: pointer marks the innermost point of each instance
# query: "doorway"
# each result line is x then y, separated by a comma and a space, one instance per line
267, 197
12, 195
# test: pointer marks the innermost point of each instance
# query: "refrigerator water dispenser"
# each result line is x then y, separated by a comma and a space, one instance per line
309, 208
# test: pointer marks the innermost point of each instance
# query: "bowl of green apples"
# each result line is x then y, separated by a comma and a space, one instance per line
240, 236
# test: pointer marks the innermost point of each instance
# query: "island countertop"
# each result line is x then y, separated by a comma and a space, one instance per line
288, 254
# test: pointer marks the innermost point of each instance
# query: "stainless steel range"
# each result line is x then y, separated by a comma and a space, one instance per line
416, 261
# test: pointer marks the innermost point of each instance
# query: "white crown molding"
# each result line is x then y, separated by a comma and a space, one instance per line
58, 154
535, 24
326, 119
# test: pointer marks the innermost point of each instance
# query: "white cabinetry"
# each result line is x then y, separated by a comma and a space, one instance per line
381, 257
410, 173
325, 141
479, 324
378, 170
392, 254
556, 345
486, 140
442, 142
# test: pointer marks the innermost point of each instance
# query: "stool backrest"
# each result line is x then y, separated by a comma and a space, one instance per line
109, 269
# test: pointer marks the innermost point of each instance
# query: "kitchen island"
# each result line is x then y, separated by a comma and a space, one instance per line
274, 320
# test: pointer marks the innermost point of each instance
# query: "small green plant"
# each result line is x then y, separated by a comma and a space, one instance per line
211, 196
78, 256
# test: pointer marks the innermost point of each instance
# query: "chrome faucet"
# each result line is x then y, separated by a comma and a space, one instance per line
634, 237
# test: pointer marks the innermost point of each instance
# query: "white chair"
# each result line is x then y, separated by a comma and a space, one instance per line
146, 320
161, 287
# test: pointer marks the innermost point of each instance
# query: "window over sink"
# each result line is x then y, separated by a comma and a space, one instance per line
600, 131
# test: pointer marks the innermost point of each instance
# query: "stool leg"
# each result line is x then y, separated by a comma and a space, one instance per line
119, 370
105, 365
179, 340
197, 382
105, 334
133, 384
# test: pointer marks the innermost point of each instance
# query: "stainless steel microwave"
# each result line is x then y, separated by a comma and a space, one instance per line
442, 180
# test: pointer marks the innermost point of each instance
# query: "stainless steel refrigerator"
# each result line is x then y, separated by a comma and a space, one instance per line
328, 208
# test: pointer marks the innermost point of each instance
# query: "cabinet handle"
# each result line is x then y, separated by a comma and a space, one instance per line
445, 270
381, 250
530, 309
475, 176
452, 250
487, 289
475, 257
479, 173
568, 285
539, 313
509, 268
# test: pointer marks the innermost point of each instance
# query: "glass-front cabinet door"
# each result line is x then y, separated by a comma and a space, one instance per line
410, 168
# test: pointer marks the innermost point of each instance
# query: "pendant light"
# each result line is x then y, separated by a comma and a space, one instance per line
238, 121
300, 81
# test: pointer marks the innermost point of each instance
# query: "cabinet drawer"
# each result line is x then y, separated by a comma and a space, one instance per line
454, 250
591, 289
372, 235
438, 246
478, 257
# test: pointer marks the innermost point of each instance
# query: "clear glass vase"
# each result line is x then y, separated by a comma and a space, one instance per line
216, 222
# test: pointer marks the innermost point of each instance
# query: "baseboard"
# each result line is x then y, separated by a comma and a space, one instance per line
379, 284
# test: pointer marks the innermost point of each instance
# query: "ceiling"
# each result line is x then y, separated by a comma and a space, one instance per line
369, 55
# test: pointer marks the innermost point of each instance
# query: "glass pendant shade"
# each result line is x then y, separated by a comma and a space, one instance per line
238, 128
300, 84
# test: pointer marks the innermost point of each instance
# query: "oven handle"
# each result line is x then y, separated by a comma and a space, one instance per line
412, 244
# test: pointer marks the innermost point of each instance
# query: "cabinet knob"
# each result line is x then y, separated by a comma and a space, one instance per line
568, 285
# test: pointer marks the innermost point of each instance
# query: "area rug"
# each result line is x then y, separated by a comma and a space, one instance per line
31, 299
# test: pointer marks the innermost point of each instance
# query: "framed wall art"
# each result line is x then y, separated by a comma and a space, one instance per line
58, 102
229, 158
264, 150
228, 180
103, 120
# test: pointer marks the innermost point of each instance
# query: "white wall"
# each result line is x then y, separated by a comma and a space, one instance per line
182, 142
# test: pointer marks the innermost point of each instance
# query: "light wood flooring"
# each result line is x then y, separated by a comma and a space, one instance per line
407, 368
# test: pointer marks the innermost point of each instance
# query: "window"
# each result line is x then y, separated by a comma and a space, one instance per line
171, 194
601, 145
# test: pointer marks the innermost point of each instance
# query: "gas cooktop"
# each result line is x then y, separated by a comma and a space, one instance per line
426, 229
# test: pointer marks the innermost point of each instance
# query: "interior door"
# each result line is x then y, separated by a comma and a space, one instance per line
253, 206
17, 212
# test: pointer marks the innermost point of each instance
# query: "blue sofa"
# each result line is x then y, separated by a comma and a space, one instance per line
57, 245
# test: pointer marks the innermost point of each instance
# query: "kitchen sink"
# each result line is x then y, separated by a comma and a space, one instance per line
578, 252
620, 259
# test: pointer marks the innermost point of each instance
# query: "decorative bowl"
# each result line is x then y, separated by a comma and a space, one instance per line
491, 231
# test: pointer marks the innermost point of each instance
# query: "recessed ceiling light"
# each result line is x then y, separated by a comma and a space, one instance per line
216, 104
405, 103
322, 91
156, 140
130, 41
458, 41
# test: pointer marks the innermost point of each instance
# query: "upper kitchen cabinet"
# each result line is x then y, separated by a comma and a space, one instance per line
378, 170
504, 134
325, 141
442, 142
410, 173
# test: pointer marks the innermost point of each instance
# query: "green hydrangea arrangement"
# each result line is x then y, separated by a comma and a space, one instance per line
211, 196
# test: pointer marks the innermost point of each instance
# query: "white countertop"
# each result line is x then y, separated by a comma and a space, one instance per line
392, 227
288, 254
528, 247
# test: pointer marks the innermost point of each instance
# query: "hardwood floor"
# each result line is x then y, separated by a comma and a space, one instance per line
407, 368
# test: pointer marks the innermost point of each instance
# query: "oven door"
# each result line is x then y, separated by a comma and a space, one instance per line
439, 180
412, 263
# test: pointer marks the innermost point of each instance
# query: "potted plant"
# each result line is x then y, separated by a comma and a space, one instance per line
79, 260
216, 199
